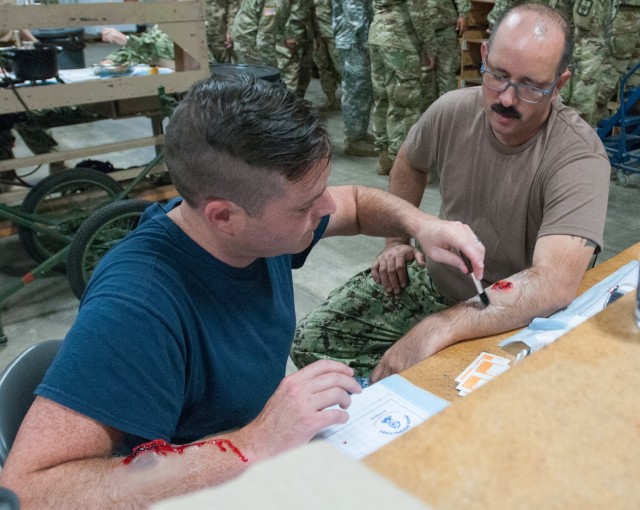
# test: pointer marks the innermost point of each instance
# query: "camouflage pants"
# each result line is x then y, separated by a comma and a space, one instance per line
623, 55
397, 98
246, 54
359, 321
295, 66
357, 93
328, 64
581, 93
442, 78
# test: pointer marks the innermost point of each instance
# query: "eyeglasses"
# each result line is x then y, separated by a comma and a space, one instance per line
527, 93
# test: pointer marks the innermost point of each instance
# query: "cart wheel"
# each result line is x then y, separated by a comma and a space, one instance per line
60, 203
97, 235
623, 179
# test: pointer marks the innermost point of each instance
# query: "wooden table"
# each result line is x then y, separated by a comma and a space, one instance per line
559, 430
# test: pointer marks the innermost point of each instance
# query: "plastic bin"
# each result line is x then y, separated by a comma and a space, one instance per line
270, 74
71, 40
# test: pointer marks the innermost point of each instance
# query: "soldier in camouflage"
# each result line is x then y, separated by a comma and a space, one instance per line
271, 33
257, 29
325, 55
623, 52
351, 19
401, 39
220, 15
592, 21
449, 20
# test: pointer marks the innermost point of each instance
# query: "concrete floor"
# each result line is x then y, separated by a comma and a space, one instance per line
46, 308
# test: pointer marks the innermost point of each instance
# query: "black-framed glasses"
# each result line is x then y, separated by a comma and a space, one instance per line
527, 93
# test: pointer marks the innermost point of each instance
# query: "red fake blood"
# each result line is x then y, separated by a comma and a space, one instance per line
502, 285
161, 447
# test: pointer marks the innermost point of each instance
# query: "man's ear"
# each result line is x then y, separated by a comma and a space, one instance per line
564, 78
484, 49
224, 215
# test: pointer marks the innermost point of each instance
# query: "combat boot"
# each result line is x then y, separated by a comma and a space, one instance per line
384, 163
359, 147
330, 105
369, 137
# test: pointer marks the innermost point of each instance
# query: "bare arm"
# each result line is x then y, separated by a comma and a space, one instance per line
559, 263
373, 212
63, 459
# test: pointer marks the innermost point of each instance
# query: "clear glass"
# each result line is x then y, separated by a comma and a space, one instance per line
527, 93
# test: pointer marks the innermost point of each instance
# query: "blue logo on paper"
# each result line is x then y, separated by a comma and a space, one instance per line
394, 424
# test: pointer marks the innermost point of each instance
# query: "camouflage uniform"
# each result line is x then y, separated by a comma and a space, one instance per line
296, 65
500, 7
367, 342
443, 15
623, 52
220, 15
325, 54
591, 19
399, 36
260, 31
147, 47
351, 20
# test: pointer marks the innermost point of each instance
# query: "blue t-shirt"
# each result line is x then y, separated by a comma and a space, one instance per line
172, 343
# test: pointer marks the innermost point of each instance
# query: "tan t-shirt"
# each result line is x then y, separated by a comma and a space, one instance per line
556, 183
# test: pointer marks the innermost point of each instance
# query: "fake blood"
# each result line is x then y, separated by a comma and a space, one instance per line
161, 447
502, 285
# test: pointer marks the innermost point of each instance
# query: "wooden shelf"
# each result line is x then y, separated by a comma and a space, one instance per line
471, 42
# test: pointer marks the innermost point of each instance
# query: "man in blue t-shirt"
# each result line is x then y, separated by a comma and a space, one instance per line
182, 337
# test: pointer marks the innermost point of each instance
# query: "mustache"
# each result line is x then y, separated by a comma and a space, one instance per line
506, 111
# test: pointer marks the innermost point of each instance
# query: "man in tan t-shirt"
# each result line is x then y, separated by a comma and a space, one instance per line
522, 170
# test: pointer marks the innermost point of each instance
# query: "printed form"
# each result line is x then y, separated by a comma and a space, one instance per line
381, 413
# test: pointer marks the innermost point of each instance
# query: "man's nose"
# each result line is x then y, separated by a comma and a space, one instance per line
508, 96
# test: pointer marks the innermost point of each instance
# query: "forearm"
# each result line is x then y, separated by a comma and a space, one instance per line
407, 183
62, 459
530, 296
549, 285
373, 212
130, 482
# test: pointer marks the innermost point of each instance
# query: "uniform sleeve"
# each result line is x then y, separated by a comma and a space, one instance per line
146, 48
245, 24
298, 21
423, 27
232, 10
463, 7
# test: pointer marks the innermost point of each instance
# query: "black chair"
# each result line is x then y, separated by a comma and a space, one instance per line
8, 500
17, 383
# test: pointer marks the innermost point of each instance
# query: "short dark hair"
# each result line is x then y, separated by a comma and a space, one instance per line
234, 136
551, 15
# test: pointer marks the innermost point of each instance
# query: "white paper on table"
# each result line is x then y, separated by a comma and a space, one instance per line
382, 412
